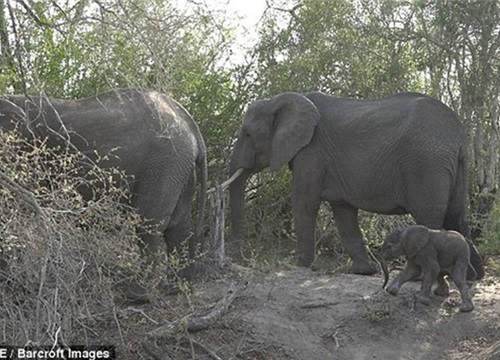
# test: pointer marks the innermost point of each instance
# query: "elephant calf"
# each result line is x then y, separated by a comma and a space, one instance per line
434, 254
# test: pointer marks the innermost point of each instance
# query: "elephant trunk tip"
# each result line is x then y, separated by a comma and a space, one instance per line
386, 280
385, 270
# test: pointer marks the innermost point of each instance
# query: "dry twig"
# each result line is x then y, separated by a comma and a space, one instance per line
192, 323
24, 194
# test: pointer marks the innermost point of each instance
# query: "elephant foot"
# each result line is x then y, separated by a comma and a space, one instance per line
392, 289
135, 293
305, 261
423, 299
442, 291
363, 268
466, 306
472, 274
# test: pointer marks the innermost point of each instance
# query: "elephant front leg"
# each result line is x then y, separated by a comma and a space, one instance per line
410, 272
346, 219
151, 244
430, 271
305, 223
443, 288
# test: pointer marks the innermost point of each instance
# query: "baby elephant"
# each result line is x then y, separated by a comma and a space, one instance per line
434, 253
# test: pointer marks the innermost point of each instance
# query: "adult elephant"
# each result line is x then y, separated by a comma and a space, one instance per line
148, 135
401, 154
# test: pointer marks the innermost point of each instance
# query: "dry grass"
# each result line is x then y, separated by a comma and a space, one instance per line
63, 257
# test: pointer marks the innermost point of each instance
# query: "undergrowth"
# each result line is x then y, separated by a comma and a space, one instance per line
65, 257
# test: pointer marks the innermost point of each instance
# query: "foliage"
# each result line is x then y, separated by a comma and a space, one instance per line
491, 231
336, 47
269, 226
76, 51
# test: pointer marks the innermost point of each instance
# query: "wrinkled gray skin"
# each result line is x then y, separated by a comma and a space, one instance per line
401, 154
149, 136
433, 254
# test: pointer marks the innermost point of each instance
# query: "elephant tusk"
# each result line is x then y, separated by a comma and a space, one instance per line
229, 181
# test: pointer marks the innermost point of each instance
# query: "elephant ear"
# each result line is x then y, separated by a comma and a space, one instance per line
296, 118
414, 239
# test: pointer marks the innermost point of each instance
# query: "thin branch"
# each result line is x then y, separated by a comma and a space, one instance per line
34, 16
210, 352
24, 194
196, 323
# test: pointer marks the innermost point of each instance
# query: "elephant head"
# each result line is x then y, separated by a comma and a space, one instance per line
406, 242
273, 132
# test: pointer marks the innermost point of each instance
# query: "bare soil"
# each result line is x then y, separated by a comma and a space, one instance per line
295, 313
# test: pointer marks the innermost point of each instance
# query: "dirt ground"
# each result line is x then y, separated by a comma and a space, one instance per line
295, 313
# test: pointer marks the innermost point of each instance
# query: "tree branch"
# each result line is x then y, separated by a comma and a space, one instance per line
193, 323
24, 194
34, 16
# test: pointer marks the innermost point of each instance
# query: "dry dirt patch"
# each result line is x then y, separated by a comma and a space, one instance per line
295, 313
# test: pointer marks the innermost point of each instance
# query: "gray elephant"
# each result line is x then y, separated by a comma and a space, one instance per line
151, 137
401, 154
433, 254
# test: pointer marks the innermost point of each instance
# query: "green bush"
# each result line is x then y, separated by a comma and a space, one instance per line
269, 235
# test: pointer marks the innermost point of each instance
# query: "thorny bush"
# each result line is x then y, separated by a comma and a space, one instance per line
63, 257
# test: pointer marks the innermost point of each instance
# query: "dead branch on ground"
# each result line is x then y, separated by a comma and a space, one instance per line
192, 323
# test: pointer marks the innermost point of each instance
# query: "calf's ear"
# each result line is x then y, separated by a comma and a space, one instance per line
414, 238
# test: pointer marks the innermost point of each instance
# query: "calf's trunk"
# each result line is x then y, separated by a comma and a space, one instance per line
383, 265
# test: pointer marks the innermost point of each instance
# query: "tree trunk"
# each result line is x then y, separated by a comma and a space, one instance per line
217, 246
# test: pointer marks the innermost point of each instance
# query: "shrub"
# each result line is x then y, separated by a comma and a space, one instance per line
65, 255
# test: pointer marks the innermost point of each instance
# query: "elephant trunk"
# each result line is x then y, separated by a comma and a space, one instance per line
237, 203
385, 270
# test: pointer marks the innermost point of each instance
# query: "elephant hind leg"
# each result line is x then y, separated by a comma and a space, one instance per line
151, 244
179, 229
177, 234
459, 277
156, 194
